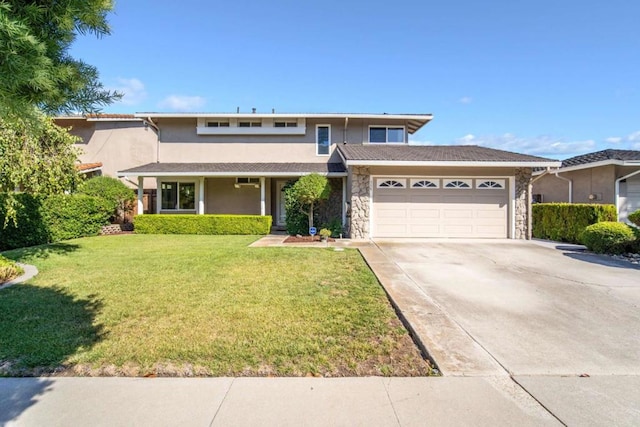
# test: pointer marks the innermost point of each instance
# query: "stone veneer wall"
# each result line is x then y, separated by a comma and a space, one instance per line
523, 203
360, 191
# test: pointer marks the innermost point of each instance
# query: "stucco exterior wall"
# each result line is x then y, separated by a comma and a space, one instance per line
221, 197
598, 182
180, 142
117, 145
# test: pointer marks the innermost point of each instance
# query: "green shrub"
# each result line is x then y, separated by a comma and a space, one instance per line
9, 270
119, 197
325, 233
202, 224
608, 237
565, 222
69, 216
635, 218
29, 229
41, 220
335, 225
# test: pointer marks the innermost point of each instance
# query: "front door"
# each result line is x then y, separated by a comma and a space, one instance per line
281, 213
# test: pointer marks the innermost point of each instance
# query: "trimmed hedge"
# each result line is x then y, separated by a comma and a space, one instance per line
41, 220
608, 237
69, 216
565, 222
202, 224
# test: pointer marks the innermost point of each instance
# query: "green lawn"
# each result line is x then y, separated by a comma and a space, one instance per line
199, 305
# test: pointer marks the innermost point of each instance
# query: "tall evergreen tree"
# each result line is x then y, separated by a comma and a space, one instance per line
36, 69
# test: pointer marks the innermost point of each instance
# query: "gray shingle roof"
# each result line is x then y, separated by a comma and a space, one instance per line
599, 156
237, 168
433, 153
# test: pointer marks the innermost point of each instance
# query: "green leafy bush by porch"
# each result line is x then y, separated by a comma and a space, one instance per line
202, 224
9, 270
608, 237
49, 219
565, 222
119, 197
635, 218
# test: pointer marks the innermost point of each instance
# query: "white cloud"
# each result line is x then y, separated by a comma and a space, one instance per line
132, 89
465, 100
545, 146
614, 140
182, 103
634, 137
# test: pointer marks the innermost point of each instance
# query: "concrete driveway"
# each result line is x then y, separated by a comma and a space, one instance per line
544, 314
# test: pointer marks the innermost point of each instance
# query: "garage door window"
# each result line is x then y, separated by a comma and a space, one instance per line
391, 183
458, 183
491, 184
424, 183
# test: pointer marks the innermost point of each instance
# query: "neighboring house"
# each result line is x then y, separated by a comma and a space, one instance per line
239, 163
607, 176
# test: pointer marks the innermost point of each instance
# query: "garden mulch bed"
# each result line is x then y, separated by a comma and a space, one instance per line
305, 239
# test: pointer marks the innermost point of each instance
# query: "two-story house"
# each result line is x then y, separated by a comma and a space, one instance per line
238, 163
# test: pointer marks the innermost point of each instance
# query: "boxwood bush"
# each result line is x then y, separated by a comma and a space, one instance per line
608, 237
202, 224
565, 222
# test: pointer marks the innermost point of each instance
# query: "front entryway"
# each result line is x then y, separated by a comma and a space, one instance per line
281, 213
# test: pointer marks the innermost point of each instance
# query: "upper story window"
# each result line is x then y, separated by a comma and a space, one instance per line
386, 134
250, 124
323, 139
285, 124
217, 124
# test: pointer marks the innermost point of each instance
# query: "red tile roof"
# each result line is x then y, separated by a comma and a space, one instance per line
81, 167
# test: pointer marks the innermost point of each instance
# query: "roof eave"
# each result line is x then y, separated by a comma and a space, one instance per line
153, 174
523, 164
600, 163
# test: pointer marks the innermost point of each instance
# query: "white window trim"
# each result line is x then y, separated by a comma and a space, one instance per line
317, 145
500, 182
436, 181
469, 182
381, 181
404, 134
179, 181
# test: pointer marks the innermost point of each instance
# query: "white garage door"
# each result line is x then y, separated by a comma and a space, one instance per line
440, 207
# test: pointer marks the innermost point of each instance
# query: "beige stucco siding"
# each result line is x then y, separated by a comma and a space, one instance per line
598, 181
117, 145
180, 142
221, 197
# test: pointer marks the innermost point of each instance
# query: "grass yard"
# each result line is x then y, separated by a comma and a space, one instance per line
168, 305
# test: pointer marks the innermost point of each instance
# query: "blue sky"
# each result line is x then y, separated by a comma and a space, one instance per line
551, 78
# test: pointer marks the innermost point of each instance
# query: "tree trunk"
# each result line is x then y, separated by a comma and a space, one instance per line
311, 215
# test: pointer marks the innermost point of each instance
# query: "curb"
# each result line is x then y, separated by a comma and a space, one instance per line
30, 271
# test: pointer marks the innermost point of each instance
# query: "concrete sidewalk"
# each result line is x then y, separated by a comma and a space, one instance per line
372, 401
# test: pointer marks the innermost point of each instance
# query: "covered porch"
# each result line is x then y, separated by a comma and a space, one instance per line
230, 188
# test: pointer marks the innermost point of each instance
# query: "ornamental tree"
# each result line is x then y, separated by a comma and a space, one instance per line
36, 158
309, 190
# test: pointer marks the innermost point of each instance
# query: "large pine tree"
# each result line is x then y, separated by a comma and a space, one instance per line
36, 69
